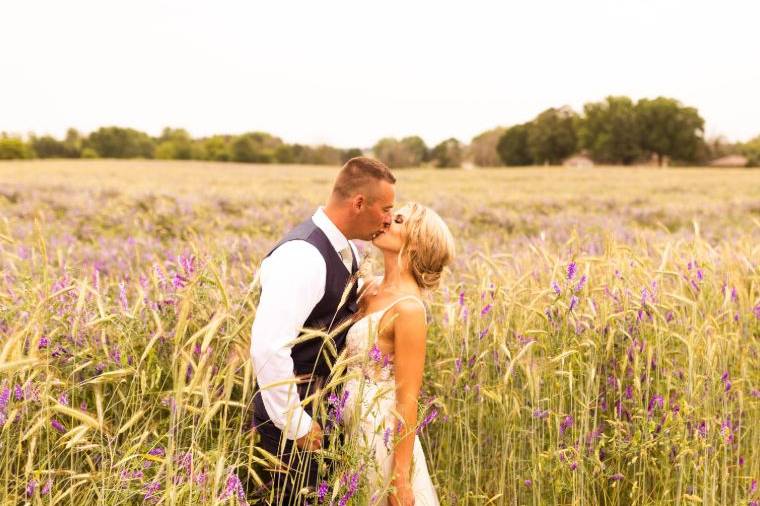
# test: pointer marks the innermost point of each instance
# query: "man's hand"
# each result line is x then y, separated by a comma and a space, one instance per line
311, 441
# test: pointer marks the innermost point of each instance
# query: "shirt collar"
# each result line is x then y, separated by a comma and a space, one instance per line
336, 237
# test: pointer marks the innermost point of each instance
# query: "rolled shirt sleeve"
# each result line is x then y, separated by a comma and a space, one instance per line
292, 283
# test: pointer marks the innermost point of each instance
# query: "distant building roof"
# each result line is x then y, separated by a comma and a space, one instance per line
730, 161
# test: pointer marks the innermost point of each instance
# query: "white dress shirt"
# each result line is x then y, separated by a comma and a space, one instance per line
292, 283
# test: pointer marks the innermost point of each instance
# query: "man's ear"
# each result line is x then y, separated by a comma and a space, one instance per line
359, 202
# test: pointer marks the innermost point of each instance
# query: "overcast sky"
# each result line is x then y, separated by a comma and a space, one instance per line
348, 73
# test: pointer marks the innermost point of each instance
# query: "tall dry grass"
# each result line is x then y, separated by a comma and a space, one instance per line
596, 342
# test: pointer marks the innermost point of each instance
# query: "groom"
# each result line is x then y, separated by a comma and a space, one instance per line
303, 279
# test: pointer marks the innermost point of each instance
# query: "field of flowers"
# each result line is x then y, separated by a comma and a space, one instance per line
596, 342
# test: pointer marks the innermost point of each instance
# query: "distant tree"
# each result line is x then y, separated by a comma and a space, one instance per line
117, 142
669, 129
751, 150
255, 147
483, 150
609, 130
326, 155
408, 152
350, 153
72, 143
447, 154
174, 144
513, 146
12, 148
415, 151
552, 136
216, 148
48, 147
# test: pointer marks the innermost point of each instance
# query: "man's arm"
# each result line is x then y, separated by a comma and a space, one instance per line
292, 283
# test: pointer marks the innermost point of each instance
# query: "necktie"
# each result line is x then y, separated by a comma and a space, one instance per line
347, 256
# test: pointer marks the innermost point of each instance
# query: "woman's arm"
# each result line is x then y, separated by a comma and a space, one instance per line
410, 330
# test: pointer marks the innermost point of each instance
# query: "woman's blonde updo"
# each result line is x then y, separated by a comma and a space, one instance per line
428, 246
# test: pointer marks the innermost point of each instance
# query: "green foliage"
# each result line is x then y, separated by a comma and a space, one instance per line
117, 142
669, 129
408, 152
14, 148
175, 144
447, 154
609, 130
751, 150
217, 148
350, 153
513, 146
48, 147
89, 153
255, 147
552, 136
483, 148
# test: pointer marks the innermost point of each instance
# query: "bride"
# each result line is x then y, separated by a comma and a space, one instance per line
386, 355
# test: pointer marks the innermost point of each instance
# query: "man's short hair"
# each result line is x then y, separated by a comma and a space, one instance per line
358, 173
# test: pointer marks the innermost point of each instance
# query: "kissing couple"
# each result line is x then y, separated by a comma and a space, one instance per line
327, 341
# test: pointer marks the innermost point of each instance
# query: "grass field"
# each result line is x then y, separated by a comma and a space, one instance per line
597, 340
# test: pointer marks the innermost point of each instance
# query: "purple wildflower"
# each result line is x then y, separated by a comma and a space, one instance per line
123, 295
556, 288
571, 270
573, 302
157, 452
46, 487
428, 420
352, 483
18, 392
44, 342
5, 395
528, 483
726, 382
187, 263
616, 477
64, 399
234, 488
337, 405
151, 491
461, 299
540, 413
486, 310
581, 283
565, 424
756, 310
755, 393
753, 487
31, 487
57, 425
375, 354
655, 401
702, 429
322, 491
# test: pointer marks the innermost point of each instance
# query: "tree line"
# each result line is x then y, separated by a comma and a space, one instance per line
616, 130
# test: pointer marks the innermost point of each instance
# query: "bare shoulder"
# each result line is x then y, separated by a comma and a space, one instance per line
411, 312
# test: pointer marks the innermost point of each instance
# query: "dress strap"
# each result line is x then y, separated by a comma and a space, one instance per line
405, 297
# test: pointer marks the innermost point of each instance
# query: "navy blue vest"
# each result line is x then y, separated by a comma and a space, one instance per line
310, 357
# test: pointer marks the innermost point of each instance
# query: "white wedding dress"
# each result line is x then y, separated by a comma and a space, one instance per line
369, 412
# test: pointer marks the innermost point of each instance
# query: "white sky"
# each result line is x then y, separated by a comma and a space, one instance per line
350, 72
